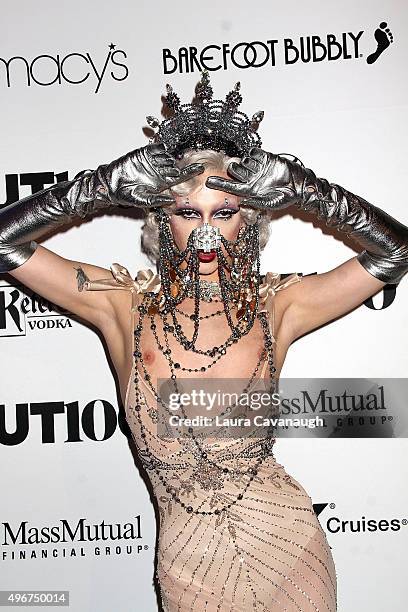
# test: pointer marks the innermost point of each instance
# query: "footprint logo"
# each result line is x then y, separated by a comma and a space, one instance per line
384, 38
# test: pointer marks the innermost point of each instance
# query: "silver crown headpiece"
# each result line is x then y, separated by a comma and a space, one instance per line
207, 123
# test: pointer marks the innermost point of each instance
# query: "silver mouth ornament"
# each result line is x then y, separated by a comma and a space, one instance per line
206, 238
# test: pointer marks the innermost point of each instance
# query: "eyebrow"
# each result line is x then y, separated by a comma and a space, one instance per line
190, 207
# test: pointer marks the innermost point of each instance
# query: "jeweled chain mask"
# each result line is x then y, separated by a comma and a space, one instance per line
239, 274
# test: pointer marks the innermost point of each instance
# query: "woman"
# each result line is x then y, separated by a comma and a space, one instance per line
236, 531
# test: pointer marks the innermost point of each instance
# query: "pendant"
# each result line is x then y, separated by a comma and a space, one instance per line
152, 309
174, 289
207, 290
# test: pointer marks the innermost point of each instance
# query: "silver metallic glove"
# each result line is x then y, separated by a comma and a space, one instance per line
268, 181
135, 179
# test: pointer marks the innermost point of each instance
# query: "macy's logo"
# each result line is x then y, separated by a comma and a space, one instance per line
72, 69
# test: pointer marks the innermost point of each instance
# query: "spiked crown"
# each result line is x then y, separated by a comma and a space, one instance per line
206, 123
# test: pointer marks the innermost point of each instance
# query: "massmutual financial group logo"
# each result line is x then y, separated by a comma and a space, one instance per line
53, 69
276, 52
70, 539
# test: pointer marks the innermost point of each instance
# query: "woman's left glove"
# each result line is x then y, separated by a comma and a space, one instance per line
268, 181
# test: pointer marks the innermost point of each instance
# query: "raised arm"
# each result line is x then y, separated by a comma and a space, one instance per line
268, 181
135, 179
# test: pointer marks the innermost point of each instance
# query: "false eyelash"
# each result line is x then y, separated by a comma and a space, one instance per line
179, 211
229, 210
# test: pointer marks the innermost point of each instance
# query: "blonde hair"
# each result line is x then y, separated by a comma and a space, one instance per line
212, 160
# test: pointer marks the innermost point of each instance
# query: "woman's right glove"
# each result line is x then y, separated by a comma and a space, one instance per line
135, 179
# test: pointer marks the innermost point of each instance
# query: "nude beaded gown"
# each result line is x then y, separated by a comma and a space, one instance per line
265, 552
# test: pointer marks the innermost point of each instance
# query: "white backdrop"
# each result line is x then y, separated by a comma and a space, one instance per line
345, 118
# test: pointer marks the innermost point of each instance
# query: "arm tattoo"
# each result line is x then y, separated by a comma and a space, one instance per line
81, 278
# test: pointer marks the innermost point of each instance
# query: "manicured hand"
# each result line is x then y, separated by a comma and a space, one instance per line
139, 177
263, 180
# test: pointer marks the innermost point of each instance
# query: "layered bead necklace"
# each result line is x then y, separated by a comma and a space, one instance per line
239, 290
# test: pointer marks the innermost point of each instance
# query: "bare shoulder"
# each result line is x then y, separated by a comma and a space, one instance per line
322, 298
119, 287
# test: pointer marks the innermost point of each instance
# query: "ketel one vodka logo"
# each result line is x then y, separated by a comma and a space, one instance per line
23, 311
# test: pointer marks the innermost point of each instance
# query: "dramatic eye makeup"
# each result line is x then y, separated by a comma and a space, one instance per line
192, 213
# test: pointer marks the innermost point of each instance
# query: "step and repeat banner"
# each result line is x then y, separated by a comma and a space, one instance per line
77, 80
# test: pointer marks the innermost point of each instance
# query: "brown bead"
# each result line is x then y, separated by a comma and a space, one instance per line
174, 289
152, 310
240, 313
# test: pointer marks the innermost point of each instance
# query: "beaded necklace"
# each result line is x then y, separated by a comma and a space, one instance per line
267, 443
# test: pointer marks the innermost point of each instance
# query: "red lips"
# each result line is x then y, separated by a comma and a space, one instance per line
206, 257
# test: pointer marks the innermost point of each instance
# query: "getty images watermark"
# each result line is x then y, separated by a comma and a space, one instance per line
294, 407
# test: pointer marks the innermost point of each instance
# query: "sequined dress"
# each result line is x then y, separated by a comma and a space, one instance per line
265, 550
